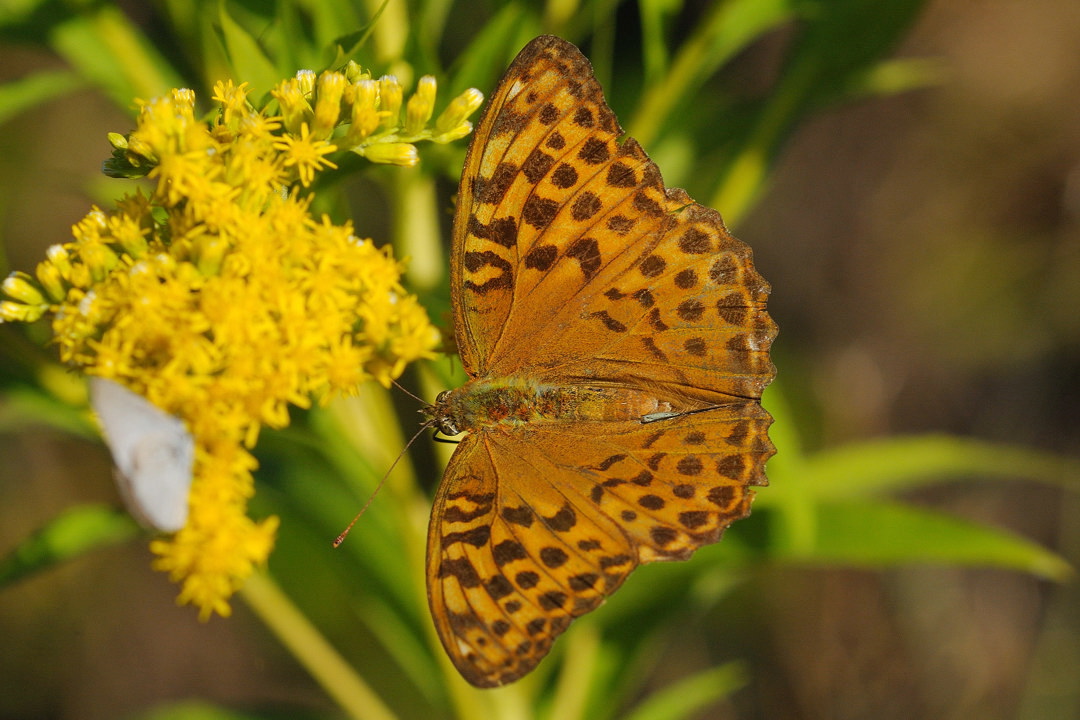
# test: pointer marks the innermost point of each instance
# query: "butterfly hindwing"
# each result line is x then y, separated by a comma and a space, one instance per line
511, 561
536, 526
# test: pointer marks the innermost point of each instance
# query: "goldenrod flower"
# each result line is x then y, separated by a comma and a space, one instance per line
219, 297
305, 154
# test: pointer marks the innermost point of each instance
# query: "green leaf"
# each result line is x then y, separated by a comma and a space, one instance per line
247, 57
873, 534
28, 92
893, 77
24, 406
843, 38
491, 49
200, 710
682, 699
893, 464
839, 41
105, 47
74, 532
727, 29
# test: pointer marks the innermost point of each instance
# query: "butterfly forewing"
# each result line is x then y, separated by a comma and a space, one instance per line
567, 245
530, 223
617, 343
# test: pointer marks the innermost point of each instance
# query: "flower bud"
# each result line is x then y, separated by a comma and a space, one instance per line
420, 106
458, 110
20, 286
390, 95
402, 154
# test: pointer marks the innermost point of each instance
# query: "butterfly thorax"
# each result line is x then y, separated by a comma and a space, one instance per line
488, 403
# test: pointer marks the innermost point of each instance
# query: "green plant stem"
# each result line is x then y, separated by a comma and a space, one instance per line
578, 672
727, 28
312, 650
390, 32
417, 235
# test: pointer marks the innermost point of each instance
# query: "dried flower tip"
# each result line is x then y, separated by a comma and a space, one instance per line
60, 259
363, 92
184, 98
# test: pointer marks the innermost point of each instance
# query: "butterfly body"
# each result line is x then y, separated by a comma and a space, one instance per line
487, 405
617, 344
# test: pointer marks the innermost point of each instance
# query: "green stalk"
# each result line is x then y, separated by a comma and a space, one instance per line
312, 650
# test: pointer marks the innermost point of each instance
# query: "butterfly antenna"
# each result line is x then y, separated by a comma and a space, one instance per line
402, 389
341, 538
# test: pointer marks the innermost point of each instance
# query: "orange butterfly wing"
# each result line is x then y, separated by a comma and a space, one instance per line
530, 530
565, 240
573, 266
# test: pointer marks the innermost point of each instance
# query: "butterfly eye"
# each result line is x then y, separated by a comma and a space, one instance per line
442, 396
447, 427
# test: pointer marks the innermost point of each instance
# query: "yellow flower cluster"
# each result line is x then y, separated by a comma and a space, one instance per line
223, 301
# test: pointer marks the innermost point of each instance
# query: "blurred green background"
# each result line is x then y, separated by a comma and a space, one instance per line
907, 173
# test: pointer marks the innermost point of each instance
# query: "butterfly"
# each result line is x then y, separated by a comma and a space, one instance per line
153, 451
616, 343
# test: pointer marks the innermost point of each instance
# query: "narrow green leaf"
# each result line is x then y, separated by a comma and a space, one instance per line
313, 650
74, 532
25, 93
491, 49
893, 77
727, 29
200, 710
25, 406
893, 464
105, 47
839, 40
844, 38
248, 59
874, 534
682, 699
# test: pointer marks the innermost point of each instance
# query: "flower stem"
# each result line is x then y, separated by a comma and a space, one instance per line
312, 650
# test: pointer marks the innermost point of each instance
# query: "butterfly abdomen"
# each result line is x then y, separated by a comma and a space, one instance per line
512, 401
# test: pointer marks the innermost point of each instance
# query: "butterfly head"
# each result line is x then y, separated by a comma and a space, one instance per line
442, 414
